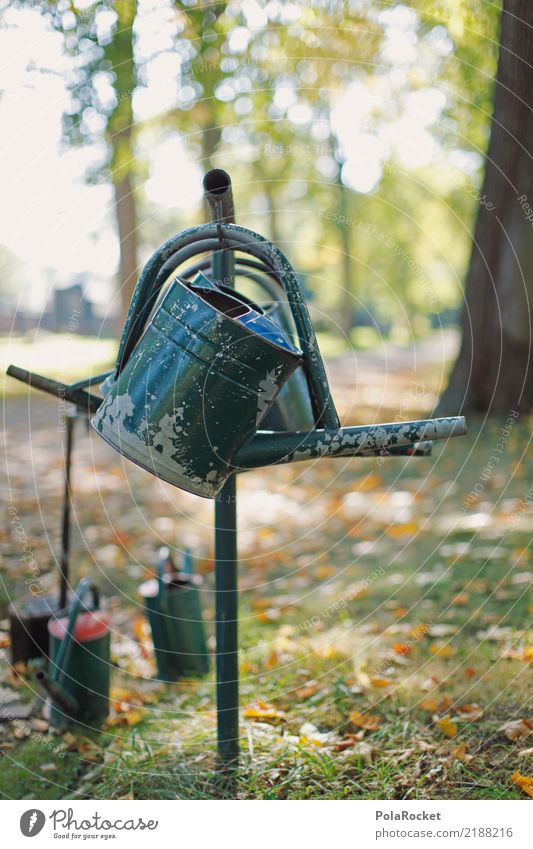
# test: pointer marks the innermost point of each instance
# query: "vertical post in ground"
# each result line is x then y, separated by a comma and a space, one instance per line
226, 591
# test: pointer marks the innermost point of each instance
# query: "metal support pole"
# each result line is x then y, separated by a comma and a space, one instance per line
65, 519
226, 590
226, 623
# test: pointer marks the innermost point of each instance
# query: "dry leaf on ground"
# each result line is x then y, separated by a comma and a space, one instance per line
264, 712
525, 782
460, 753
368, 721
516, 729
446, 725
470, 711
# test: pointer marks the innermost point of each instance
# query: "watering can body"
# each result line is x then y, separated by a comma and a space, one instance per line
173, 608
78, 678
292, 410
195, 388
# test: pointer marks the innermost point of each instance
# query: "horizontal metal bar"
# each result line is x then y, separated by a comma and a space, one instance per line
267, 448
84, 401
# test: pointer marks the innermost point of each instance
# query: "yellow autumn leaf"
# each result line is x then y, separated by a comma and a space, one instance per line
429, 705
397, 531
418, 631
364, 484
460, 753
461, 599
263, 711
131, 717
303, 693
441, 650
525, 654
525, 782
380, 682
448, 727
368, 721
322, 573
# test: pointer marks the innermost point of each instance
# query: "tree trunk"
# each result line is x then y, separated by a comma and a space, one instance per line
126, 217
211, 134
273, 218
348, 302
493, 373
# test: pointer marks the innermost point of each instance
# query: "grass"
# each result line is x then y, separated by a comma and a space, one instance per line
379, 589
63, 356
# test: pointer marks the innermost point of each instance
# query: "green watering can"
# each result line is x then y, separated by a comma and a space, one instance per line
79, 672
195, 377
201, 371
173, 608
197, 384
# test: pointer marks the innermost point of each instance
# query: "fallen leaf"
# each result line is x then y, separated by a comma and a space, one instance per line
50, 767
524, 753
461, 599
419, 631
428, 704
130, 717
469, 672
272, 660
471, 711
368, 721
40, 725
380, 682
525, 782
402, 648
308, 690
263, 711
460, 753
441, 650
309, 733
516, 729
447, 725
89, 750
398, 531
525, 654
322, 573
348, 741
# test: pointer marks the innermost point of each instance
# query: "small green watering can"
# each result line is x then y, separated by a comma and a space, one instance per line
173, 608
79, 672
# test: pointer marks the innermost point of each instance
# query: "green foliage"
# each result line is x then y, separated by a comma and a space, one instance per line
259, 91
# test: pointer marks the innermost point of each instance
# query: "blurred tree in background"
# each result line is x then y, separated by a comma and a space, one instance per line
355, 135
494, 371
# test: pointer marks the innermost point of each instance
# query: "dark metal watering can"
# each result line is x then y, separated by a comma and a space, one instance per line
190, 390
173, 608
196, 379
79, 673
197, 384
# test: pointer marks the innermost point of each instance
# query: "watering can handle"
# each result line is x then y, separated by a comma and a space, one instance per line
84, 586
206, 238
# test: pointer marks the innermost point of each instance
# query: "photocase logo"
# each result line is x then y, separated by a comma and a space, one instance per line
32, 822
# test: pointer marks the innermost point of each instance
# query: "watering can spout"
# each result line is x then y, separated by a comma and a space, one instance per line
57, 693
269, 448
